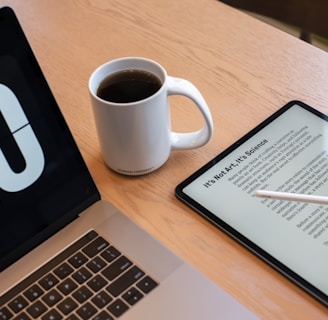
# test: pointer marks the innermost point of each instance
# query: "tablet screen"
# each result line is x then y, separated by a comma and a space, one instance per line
288, 152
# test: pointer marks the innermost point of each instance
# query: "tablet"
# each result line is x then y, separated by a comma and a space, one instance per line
287, 152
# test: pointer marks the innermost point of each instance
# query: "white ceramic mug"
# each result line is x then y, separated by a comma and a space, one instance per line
136, 137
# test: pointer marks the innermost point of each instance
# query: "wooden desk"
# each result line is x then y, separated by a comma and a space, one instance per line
245, 69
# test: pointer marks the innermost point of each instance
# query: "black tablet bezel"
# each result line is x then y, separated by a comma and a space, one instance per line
228, 229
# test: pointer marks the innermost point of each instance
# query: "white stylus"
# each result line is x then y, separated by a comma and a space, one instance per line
291, 196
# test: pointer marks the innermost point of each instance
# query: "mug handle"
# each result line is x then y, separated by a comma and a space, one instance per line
195, 139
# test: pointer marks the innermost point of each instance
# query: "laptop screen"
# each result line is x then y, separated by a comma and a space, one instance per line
44, 182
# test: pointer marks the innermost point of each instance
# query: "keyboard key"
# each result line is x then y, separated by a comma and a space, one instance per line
118, 307
67, 286
147, 284
97, 283
77, 260
18, 304
96, 264
33, 293
103, 316
67, 306
116, 268
63, 271
82, 275
72, 317
132, 296
110, 254
101, 299
48, 281
87, 311
125, 281
52, 297
82, 294
36, 309
5, 313
52, 315
95, 247
22, 316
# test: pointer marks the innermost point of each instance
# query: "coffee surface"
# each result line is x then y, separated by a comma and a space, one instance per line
128, 86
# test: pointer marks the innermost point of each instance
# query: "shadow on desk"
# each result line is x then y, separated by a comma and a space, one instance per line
309, 16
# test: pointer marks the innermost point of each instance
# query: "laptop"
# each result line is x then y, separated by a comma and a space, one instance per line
65, 253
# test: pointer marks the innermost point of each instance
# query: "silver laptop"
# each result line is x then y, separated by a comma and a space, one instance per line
65, 253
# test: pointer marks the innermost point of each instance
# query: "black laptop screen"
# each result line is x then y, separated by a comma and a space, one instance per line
44, 182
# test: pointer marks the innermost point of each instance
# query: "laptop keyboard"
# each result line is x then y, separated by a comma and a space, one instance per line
89, 280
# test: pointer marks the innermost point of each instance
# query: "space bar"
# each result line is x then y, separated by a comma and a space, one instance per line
125, 281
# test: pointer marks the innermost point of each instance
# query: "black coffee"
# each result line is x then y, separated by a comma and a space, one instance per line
128, 86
